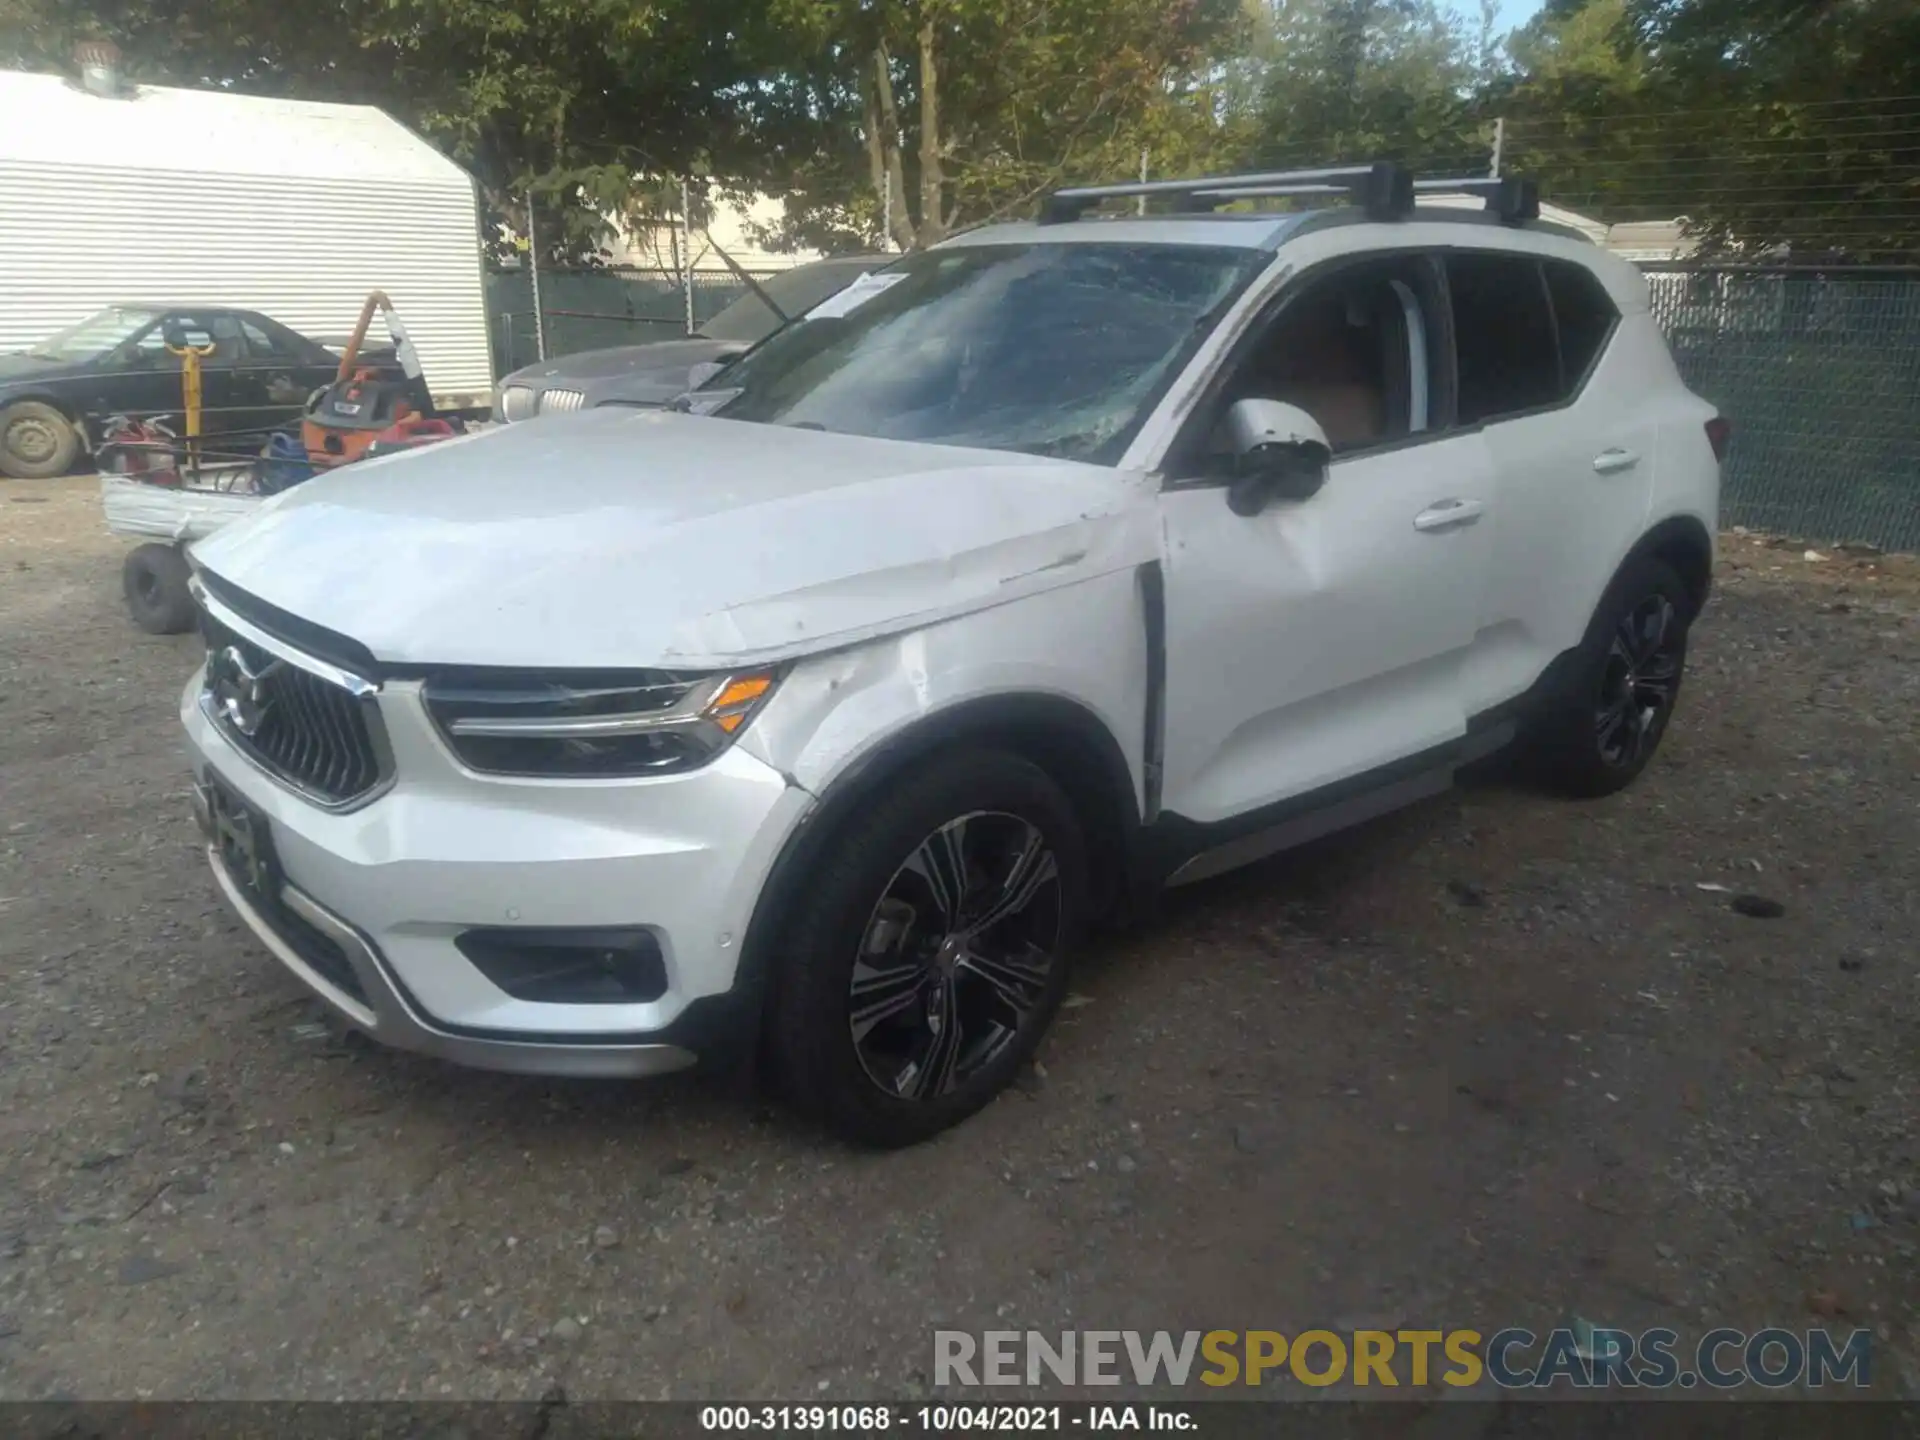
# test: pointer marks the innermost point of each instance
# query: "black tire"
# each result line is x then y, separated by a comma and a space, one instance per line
1621, 686
155, 581
37, 442
875, 888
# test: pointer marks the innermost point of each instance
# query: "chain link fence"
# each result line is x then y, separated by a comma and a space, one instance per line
1820, 374
595, 309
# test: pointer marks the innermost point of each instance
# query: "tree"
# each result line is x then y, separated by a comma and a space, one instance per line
1810, 142
1361, 80
1578, 110
1768, 126
937, 113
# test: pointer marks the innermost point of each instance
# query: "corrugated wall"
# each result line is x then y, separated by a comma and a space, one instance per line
305, 252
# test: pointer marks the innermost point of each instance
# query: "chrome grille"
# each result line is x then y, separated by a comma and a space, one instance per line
308, 732
519, 402
561, 402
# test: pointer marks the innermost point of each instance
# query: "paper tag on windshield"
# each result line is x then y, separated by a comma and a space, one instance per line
854, 296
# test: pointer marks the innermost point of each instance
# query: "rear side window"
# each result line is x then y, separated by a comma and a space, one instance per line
261, 345
1503, 336
1584, 314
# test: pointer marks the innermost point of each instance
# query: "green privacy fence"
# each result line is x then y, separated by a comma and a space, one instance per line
1819, 372
594, 309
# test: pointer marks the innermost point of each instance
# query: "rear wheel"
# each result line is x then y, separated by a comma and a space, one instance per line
930, 950
36, 441
1601, 731
154, 578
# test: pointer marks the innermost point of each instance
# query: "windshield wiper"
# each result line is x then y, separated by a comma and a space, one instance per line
747, 280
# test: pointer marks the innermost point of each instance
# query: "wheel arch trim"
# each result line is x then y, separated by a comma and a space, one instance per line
1679, 533
1023, 722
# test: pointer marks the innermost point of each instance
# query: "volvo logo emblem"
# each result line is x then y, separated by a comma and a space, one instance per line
238, 690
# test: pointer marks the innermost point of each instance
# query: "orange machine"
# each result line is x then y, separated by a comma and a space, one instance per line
368, 403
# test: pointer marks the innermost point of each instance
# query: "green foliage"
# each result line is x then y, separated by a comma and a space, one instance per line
1765, 122
1026, 94
1354, 80
1812, 136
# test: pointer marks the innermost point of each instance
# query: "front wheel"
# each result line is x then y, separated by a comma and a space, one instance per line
1609, 718
154, 580
930, 950
37, 442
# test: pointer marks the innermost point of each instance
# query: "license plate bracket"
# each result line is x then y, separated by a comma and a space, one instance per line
244, 839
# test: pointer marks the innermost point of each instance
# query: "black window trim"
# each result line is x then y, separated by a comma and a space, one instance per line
1614, 318
1569, 396
1442, 401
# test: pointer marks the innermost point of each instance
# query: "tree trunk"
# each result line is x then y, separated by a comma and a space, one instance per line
883, 146
933, 211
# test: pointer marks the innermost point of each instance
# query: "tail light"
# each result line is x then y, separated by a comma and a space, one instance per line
1719, 432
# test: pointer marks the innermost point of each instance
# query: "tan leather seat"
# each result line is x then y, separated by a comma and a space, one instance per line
1352, 414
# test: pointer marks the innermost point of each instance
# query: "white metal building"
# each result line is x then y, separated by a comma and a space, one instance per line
1639, 241
292, 208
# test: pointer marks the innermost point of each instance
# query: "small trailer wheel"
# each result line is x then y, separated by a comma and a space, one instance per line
155, 581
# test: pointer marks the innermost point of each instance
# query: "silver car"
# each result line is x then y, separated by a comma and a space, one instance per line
654, 374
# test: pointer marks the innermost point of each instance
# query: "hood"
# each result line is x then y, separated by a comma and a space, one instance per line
633, 374
623, 361
22, 366
636, 538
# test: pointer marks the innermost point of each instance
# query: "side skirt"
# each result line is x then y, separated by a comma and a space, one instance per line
1182, 851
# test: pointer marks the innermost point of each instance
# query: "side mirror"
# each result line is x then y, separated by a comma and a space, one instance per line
1279, 453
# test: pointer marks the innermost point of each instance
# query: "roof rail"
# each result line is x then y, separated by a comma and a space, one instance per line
1384, 189
1514, 198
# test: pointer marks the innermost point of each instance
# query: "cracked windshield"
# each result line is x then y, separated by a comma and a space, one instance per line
1049, 349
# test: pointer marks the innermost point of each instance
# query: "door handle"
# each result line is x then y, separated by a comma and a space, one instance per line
1446, 514
1612, 462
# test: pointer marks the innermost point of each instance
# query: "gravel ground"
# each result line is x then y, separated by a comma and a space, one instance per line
1498, 1059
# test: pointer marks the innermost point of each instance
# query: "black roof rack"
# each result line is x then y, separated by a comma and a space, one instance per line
1385, 190
1514, 198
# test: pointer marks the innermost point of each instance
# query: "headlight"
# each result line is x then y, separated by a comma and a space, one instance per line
594, 725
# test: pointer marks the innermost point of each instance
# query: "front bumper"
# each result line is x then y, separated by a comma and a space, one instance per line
373, 898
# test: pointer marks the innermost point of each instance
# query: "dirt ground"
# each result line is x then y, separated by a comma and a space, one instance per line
1497, 1060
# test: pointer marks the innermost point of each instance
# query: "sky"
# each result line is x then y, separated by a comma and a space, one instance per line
1513, 13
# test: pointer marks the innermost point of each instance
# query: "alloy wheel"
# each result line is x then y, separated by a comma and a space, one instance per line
1638, 684
957, 956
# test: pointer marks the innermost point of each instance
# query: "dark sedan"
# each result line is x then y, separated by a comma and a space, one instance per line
655, 372
255, 374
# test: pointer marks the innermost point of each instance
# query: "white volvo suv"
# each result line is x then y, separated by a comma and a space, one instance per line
817, 717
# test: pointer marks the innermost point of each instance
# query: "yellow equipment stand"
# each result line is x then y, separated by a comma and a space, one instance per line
190, 357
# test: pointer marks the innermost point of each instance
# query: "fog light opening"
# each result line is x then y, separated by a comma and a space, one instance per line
570, 967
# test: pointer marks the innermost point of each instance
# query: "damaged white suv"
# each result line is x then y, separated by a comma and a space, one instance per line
1055, 564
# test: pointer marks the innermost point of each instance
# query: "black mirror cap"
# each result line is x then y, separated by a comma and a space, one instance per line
1283, 470
1293, 469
